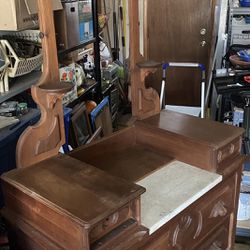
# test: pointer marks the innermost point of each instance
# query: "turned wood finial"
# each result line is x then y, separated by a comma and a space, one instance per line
43, 140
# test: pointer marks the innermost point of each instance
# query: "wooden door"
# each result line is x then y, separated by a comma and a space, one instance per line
179, 31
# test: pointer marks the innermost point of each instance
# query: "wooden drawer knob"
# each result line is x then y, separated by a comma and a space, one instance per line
231, 150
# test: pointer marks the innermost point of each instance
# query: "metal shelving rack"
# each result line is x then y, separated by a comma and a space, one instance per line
235, 11
95, 41
20, 84
243, 227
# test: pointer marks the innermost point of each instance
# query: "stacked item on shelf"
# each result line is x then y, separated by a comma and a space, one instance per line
74, 24
110, 87
68, 74
238, 32
21, 56
240, 28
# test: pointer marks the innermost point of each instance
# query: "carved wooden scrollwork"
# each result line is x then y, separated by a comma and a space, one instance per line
189, 227
219, 210
145, 101
43, 140
217, 245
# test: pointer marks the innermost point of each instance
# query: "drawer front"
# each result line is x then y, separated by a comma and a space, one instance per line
205, 216
114, 220
229, 151
196, 222
217, 240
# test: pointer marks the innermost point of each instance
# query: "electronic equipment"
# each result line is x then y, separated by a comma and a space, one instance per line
74, 24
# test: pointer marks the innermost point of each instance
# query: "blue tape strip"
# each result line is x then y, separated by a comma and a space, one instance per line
165, 66
202, 67
94, 113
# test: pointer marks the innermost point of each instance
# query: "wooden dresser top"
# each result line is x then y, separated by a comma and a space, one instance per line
74, 188
202, 130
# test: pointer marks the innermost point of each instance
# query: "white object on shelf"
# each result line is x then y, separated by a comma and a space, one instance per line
27, 35
21, 14
17, 66
240, 33
4, 63
7, 121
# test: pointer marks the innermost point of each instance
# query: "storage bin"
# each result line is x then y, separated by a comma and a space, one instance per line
244, 3
240, 34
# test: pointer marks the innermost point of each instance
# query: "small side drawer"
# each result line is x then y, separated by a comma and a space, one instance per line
228, 151
218, 207
111, 222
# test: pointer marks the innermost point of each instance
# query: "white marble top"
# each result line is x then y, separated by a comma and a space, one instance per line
170, 190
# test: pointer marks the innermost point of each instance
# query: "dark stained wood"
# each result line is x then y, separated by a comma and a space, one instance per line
132, 164
211, 133
67, 184
145, 101
149, 64
173, 35
212, 148
64, 203
68, 203
44, 139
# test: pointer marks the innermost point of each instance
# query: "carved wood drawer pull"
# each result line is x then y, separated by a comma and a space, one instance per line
232, 147
219, 157
219, 210
226, 152
217, 245
111, 220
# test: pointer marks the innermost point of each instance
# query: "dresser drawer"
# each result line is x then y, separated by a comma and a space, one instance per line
229, 151
203, 216
114, 220
192, 226
217, 240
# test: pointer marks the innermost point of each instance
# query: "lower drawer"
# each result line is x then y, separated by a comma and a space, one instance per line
191, 227
217, 239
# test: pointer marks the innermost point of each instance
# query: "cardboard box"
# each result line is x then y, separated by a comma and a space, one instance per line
21, 14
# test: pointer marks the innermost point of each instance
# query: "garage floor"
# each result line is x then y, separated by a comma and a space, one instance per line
241, 247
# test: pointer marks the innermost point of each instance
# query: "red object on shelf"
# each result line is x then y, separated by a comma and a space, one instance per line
247, 79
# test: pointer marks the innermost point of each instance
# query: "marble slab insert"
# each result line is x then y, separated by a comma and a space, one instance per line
170, 190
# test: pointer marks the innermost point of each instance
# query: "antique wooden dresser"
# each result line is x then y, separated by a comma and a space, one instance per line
169, 182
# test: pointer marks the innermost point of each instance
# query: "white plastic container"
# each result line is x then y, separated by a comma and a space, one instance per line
244, 207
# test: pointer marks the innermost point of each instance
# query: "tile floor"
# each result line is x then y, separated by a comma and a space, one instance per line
241, 247
243, 243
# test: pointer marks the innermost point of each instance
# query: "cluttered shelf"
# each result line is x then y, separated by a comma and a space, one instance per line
83, 90
90, 85
240, 7
20, 84
62, 53
240, 11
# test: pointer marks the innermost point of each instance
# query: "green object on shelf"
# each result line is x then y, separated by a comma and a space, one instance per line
22, 108
120, 72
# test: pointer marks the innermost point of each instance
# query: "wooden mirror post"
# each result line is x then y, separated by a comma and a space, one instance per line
145, 102
43, 140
